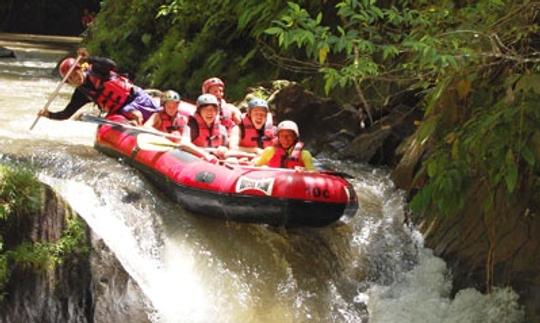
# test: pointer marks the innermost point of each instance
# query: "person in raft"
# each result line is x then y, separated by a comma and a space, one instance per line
288, 152
169, 119
204, 135
229, 114
96, 81
255, 131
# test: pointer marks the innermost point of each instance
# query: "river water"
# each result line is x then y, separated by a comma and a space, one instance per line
368, 268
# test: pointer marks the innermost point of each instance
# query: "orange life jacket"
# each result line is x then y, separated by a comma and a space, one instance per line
251, 137
282, 159
202, 135
170, 124
111, 94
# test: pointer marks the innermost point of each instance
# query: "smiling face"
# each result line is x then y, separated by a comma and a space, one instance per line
76, 77
286, 138
217, 90
171, 107
208, 113
258, 117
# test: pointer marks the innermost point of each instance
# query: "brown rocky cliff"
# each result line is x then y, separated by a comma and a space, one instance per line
89, 287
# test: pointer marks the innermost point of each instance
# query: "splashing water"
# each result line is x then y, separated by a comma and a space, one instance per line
370, 267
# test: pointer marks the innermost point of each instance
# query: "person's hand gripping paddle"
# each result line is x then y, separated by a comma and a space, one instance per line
55, 93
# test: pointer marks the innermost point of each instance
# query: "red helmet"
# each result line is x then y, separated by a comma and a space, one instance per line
66, 65
211, 82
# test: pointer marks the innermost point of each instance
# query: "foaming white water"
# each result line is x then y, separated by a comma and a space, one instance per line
20, 111
417, 289
174, 287
28, 64
78, 133
422, 295
200, 271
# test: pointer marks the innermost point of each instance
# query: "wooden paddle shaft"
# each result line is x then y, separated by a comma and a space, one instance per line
94, 119
55, 93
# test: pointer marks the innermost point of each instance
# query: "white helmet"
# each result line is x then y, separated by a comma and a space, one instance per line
288, 125
207, 99
170, 95
257, 103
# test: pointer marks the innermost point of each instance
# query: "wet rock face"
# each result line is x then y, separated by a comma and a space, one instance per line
6, 53
117, 298
322, 122
83, 288
59, 294
338, 130
377, 144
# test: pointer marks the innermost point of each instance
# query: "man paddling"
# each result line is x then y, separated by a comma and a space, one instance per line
97, 81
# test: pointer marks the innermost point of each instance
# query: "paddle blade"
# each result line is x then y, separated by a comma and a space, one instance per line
147, 141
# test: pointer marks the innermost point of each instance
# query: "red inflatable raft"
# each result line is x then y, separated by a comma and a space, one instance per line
274, 196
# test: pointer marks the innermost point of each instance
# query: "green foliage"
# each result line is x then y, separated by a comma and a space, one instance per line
473, 63
448, 180
20, 197
178, 44
47, 255
495, 148
72, 241
4, 272
19, 192
412, 44
31, 255
117, 32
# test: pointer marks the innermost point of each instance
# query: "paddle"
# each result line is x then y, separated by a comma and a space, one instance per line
58, 87
151, 142
147, 141
98, 120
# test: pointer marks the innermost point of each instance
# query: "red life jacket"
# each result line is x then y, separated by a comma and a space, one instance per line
282, 159
203, 136
112, 94
170, 124
251, 137
226, 115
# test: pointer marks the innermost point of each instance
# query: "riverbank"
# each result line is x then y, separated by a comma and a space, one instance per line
25, 41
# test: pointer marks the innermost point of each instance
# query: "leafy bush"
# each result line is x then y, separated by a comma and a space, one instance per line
19, 192
21, 197
497, 146
179, 44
